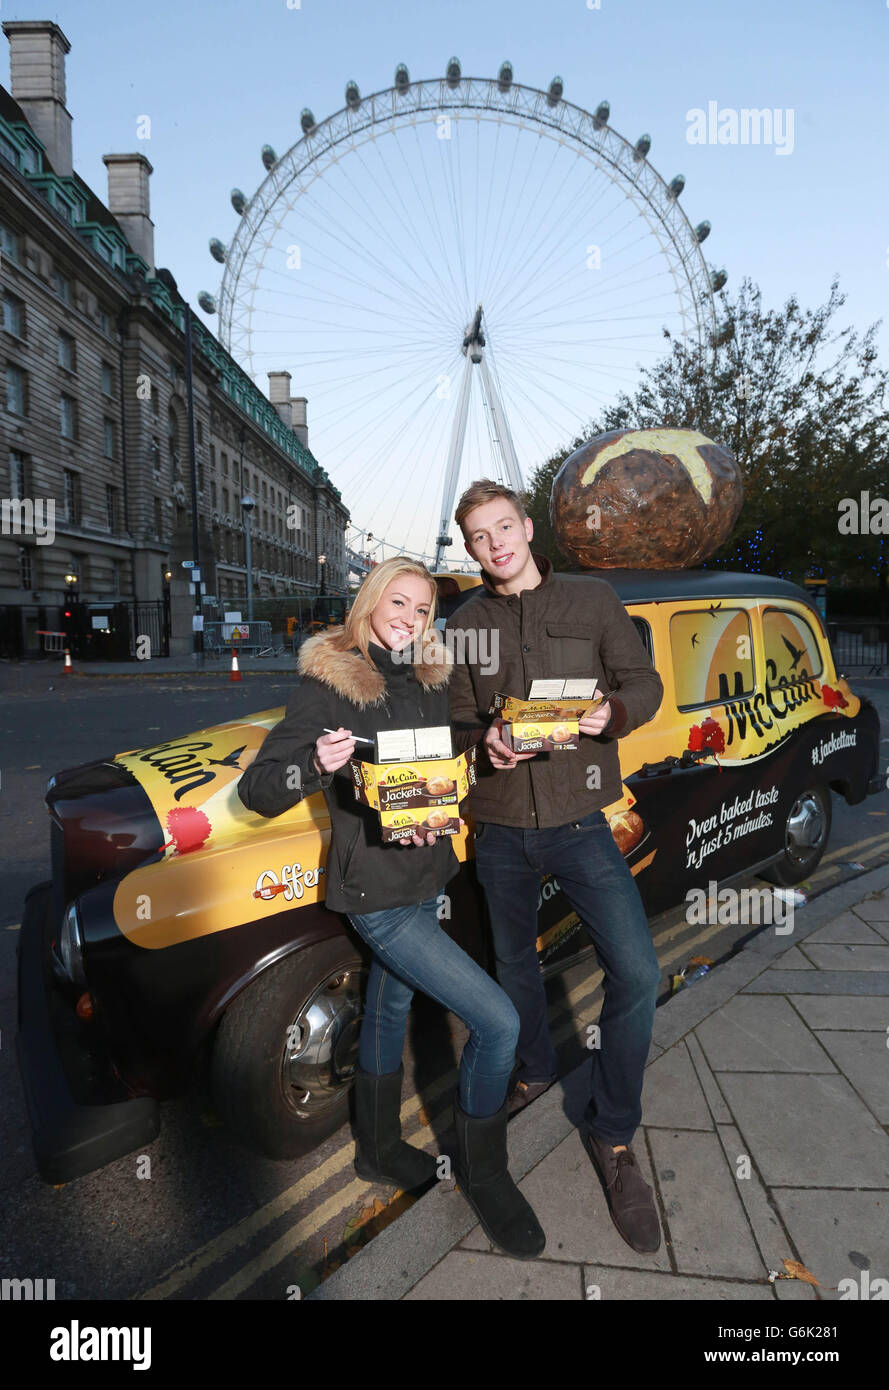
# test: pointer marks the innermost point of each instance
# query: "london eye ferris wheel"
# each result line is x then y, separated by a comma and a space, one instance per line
458, 273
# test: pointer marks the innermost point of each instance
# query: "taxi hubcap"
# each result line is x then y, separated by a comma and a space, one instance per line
321, 1049
805, 826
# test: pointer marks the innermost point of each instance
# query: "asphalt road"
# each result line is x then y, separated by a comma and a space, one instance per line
215, 1221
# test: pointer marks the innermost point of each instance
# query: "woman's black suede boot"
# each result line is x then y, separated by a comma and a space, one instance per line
483, 1177
380, 1152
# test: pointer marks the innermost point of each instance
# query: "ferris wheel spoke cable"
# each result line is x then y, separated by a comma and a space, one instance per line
485, 275
446, 291
415, 300
542, 289
458, 215
433, 220
508, 244
614, 311
543, 248
350, 442
332, 297
327, 230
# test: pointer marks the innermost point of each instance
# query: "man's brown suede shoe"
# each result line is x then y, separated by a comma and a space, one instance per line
523, 1093
630, 1199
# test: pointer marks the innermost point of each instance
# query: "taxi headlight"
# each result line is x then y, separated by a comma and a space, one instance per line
71, 947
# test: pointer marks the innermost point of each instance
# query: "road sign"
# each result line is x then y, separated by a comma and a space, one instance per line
188, 564
235, 632
195, 575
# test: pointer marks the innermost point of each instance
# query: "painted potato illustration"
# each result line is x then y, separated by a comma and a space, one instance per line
626, 827
436, 819
439, 786
645, 499
560, 733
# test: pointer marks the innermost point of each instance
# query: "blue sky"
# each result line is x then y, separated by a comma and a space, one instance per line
220, 80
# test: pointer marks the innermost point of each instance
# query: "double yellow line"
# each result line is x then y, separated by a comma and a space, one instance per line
244, 1232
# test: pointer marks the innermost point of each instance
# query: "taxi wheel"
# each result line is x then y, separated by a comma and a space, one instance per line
287, 1048
806, 832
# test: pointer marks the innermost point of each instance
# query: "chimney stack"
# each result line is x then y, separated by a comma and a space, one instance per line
298, 419
129, 200
279, 394
37, 49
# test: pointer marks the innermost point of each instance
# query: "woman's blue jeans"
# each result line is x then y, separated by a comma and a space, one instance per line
411, 951
591, 872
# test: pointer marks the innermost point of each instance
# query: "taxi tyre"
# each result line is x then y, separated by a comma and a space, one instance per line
792, 867
249, 1080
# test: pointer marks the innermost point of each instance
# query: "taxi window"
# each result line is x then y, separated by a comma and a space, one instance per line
792, 652
644, 632
712, 655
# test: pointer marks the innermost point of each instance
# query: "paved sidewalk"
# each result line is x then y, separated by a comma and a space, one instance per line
765, 1137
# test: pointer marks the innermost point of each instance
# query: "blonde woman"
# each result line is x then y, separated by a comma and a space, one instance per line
386, 668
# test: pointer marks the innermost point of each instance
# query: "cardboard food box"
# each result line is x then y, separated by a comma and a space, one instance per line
415, 795
548, 721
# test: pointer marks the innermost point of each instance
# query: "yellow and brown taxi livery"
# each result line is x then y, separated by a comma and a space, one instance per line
181, 930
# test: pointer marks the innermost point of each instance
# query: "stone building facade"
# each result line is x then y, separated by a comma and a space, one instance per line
93, 400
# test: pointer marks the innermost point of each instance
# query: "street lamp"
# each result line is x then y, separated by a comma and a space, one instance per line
247, 505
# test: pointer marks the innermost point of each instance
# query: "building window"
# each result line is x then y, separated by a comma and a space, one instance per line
16, 393
13, 315
26, 567
225, 465
17, 484
213, 501
108, 431
9, 242
225, 506
213, 458
110, 507
107, 379
68, 417
66, 352
72, 496
173, 445
154, 450
200, 477
155, 399
63, 287
105, 322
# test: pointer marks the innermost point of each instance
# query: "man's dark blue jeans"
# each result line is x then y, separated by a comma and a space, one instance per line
583, 857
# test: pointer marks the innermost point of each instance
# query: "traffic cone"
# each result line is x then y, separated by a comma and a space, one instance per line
67, 669
236, 670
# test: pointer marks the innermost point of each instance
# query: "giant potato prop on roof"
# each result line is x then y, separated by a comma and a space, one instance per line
645, 499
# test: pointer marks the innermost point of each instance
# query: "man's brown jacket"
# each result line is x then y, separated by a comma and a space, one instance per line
567, 626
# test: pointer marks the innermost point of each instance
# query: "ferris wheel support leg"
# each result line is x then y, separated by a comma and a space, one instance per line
501, 430
455, 453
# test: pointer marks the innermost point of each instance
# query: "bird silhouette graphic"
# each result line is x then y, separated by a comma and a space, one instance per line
694, 639
714, 609
795, 652
230, 759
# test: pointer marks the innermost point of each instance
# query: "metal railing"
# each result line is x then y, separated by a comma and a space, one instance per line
249, 638
862, 645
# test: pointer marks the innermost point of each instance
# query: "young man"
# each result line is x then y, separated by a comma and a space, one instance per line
541, 815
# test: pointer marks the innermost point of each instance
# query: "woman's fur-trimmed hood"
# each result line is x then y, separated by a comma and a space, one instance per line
355, 679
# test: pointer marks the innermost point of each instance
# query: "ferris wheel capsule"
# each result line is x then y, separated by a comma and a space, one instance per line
702, 231
269, 158
504, 77
453, 72
402, 79
556, 88
207, 302
718, 279
641, 148
676, 185
601, 114
353, 96
239, 202
306, 120
217, 250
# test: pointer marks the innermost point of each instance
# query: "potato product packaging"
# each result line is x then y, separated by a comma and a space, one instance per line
414, 797
548, 721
